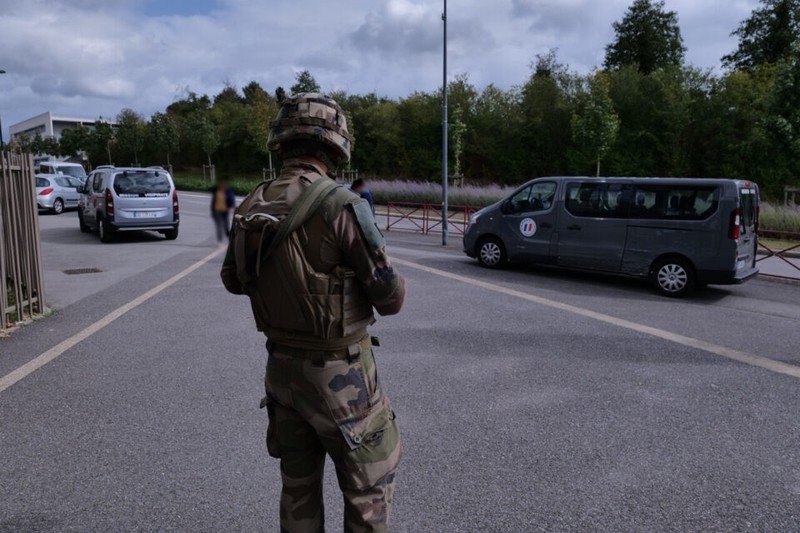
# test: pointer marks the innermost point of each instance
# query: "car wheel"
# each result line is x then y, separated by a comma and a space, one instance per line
673, 277
58, 206
82, 224
491, 253
171, 234
105, 231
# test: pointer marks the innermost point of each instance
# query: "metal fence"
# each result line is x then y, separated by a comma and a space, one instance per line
425, 218
21, 278
788, 255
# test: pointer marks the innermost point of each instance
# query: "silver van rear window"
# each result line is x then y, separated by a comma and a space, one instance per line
136, 184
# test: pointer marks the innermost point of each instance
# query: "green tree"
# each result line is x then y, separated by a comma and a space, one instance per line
202, 132
305, 83
100, 141
163, 136
595, 124
44, 145
261, 109
766, 36
189, 152
648, 37
21, 143
130, 135
420, 133
74, 141
544, 136
280, 94
495, 152
784, 103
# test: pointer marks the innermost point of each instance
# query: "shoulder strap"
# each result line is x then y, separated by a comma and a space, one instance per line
305, 206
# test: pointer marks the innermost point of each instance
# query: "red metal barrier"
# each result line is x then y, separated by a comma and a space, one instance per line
457, 217
424, 218
780, 254
405, 212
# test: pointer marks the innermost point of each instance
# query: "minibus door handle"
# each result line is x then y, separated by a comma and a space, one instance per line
545, 225
574, 227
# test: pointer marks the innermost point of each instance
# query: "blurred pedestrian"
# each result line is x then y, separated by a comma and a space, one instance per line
222, 201
360, 188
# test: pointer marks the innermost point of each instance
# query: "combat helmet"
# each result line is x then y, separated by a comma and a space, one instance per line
311, 117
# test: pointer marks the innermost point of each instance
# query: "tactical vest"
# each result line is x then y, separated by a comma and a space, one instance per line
292, 303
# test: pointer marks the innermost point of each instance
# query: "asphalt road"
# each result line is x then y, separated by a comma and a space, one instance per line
529, 399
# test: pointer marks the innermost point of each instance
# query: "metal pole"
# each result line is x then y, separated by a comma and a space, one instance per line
444, 129
2, 146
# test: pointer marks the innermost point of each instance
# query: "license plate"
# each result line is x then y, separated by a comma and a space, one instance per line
741, 264
145, 214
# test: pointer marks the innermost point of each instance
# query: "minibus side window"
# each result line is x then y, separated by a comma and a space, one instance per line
685, 202
599, 200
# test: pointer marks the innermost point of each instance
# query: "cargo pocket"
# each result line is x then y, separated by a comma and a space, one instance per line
372, 446
273, 443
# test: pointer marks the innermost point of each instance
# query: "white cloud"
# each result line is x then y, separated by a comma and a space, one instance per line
96, 57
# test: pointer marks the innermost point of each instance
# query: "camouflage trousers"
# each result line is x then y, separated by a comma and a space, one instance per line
331, 403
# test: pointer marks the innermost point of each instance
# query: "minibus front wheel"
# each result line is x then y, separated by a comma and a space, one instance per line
673, 276
491, 252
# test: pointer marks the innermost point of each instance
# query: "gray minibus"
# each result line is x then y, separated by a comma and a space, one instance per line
679, 232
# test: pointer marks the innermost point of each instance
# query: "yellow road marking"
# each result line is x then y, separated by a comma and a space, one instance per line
51, 354
742, 357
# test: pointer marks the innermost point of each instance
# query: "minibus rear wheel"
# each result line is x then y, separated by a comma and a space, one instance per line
491, 252
674, 276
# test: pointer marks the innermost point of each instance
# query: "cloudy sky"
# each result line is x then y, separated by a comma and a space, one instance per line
92, 58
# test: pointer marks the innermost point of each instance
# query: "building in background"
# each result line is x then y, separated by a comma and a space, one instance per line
49, 125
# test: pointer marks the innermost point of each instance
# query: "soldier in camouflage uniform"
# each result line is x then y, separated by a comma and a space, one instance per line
313, 294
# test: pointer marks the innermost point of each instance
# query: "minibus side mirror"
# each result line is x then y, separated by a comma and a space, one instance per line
505, 207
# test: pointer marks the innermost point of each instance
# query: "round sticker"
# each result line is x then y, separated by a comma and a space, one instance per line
527, 227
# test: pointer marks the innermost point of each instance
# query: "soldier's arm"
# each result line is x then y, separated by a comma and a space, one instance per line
228, 272
364, 250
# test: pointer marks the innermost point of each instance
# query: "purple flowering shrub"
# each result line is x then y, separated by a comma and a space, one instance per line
384, 191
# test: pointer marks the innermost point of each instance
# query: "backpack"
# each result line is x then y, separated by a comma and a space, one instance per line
257, 234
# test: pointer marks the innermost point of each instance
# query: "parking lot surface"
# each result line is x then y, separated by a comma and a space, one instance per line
529, 399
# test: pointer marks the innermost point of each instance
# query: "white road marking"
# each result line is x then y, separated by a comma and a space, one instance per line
742, 357
51, 354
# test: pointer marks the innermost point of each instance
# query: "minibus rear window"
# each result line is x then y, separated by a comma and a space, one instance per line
748, 199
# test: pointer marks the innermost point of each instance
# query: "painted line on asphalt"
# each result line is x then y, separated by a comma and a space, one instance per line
28, 368
742, 357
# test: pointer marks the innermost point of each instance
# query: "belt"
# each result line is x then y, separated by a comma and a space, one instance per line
351, 353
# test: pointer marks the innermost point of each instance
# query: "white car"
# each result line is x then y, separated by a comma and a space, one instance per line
56, 192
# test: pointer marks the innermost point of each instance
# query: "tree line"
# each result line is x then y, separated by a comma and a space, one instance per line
644, 112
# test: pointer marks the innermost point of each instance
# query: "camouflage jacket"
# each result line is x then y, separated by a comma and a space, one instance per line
318, 288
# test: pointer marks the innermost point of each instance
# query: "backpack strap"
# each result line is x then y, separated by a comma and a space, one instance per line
305, 206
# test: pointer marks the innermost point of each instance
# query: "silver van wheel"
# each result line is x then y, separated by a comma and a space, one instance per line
674, 277
104, 230
491, 253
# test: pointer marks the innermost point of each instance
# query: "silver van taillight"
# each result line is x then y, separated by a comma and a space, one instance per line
175, 202
109, 203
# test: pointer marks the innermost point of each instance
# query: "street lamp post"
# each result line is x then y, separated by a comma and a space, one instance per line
2, 146
444, 129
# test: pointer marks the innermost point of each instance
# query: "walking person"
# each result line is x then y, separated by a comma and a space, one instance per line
222, 201
308, 254
360, 188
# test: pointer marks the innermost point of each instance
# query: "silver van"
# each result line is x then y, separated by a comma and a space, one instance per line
129, 199
679, 232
